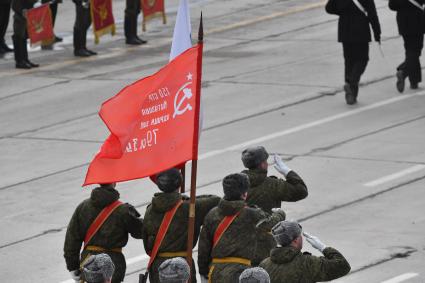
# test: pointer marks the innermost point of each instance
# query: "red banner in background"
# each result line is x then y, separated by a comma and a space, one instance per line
152, 9
39, 25
152, 123
102, 18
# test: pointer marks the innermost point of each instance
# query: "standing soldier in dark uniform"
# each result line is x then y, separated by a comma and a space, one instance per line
54, 9
355, 16
174, 243
411, 26
81, 25
4, 22
110, 237
287, 264
132, 10
20, 33
268, 192
229, 235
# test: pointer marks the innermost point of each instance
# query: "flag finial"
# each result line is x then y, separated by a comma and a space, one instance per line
201, 30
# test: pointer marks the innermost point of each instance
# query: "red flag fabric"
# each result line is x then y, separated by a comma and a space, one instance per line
152, 123
102, 17
39, 25
152, 9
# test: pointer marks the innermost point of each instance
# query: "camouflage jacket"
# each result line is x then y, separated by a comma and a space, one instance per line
112, 234
176, 238
239, 240
268, 192
286, 264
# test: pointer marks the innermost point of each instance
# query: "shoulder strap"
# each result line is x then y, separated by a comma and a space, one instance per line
360, 6
165, 224
100, 219
222, 227
417, 5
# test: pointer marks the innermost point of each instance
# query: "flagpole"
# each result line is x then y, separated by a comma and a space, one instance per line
194, 169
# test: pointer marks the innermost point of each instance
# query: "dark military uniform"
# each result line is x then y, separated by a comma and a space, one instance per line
354, 33
287, 264
175, 241
132, 11
111, 237
81, 25
267, 193
238, 241
411, 26
4, 22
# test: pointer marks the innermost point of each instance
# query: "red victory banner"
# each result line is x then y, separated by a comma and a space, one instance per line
102, 18
154, 123
39, 25
152, 9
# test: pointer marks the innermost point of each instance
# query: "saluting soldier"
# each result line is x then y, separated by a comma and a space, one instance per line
174, 243
4, 22
53, 4
81, 25
411, 26
101, 224
268, 192
287, 264
228, 238
20, 34
132, 11
355, 18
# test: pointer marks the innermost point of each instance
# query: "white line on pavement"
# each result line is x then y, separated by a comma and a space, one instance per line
306, 126
401, 278
394, 176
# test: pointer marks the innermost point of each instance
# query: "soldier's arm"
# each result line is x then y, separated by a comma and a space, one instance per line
204, 204
396, 5
205, 248
331, 266
293, 189
73, 241
265, 222
132, 221
374, 20
336, 7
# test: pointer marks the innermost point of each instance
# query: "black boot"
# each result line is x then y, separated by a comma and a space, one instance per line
79, 44
21, 63
25, 55
400, 81
349, 94
130, 30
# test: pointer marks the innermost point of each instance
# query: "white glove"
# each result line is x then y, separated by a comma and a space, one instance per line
314, 242
280, 166
204, 279
75, 275
37, 4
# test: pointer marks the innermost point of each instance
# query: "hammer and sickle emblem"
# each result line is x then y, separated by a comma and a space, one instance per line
38, 26
151, 3
103, 13
187, 94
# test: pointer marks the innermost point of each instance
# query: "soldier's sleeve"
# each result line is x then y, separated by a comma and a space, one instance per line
293, 189
336, 7
73, 241
374, 20
265, 222
331, 266
396, 5
147, 242
133, 222
205, 248
203, 205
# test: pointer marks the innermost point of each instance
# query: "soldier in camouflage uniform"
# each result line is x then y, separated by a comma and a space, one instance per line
268, 192
175, 240
232, 254
110, 238
287, 264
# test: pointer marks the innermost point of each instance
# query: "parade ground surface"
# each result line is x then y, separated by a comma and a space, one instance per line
273, 76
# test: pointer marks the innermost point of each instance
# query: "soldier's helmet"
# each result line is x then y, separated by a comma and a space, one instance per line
98, 268
253, 156
285, 232
235, 185
174, 270
169, 180
254, 275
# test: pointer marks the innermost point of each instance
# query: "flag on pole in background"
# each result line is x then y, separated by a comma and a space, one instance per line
39, 25
152, 9
102, 18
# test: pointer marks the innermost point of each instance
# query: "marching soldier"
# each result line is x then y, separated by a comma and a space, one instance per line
132, 10
102, 224
81, 25
411, 26
171, 205
54, 9
4, 22
20, 33
355, 16
287, 264
268, 192
228, 238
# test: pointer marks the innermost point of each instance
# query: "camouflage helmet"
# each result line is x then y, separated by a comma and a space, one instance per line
254, 275
98, 268
253, 156
235, 185
169, 180
174, 270
285, 232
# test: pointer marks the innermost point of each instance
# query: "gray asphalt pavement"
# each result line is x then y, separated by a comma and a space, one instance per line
273, 75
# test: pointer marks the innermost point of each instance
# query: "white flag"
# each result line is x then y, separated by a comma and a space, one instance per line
182, 39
